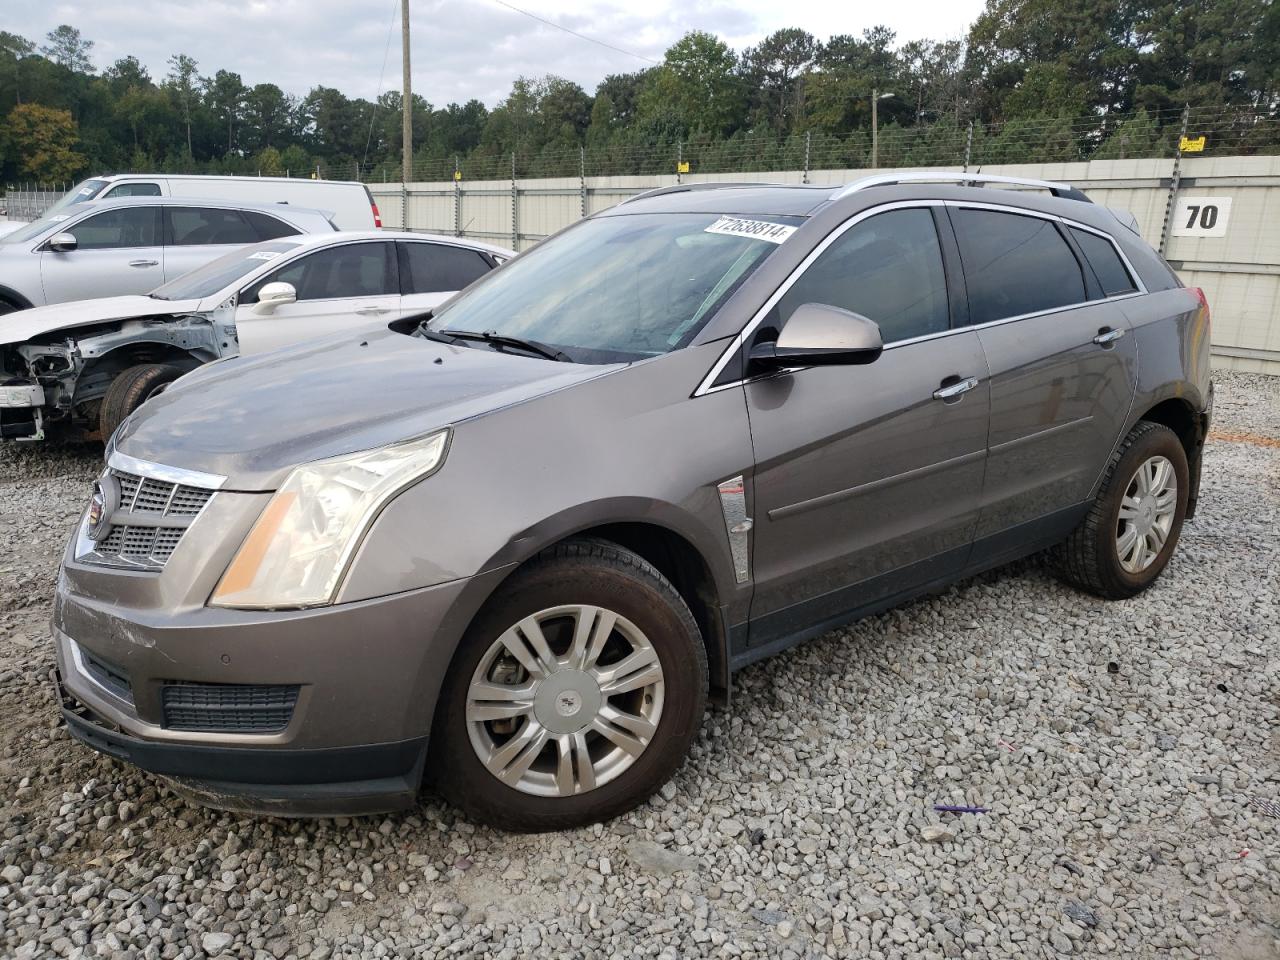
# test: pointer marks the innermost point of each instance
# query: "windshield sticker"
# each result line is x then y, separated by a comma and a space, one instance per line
753, 229
263, 255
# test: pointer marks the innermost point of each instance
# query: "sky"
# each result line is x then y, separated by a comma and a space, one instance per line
461, 48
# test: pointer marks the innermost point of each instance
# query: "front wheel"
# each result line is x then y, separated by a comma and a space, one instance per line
575, 694
1132, 528
130, 389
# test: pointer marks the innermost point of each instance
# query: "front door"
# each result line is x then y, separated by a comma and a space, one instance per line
117, 252
343, 288
868, 478
1062, 361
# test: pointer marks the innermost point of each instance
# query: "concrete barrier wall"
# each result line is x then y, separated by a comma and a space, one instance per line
1234, 253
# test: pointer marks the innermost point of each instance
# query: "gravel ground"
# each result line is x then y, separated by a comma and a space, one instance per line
1118, 747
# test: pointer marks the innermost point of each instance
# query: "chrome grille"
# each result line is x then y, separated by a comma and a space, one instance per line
155, 515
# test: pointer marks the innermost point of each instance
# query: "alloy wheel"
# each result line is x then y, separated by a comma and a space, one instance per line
565, 700
1147, 511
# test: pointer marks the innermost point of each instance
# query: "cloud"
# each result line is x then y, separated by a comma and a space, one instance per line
461, 48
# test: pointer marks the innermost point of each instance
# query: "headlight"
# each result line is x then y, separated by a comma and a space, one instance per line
297, 551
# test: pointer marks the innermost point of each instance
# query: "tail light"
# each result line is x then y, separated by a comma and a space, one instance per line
1204, 301
377, 219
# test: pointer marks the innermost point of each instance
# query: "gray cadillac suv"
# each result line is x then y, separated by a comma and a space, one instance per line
512, 547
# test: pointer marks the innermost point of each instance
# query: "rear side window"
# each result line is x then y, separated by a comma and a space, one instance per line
115, 229
351, 270
887, 268
1015, 264
436, 268
133, 190
268, 227
198, 226
1107, 266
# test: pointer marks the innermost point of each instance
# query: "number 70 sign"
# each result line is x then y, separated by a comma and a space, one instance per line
1201, 216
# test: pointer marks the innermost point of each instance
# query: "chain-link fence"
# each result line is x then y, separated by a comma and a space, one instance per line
941, 142
28, 201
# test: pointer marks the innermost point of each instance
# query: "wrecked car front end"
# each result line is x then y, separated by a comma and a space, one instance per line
55, 382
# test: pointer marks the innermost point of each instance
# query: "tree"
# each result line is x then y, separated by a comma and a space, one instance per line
774, 73
181, 83
12, 49
695, 89
68, 49
224, 92
45, 140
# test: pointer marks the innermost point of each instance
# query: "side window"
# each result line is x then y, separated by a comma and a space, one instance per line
351, 270
437, 268
887, 268
1015, 264
133, 190
1106, 263
268, 227
115, 229
196, 226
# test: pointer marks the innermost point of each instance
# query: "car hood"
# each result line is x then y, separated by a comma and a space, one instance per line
22, 325
252, 419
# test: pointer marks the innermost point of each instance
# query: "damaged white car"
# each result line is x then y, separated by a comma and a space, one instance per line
81, 368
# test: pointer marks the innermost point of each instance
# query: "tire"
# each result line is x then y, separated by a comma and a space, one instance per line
8, 306
129, 390
600, 578
1091, 557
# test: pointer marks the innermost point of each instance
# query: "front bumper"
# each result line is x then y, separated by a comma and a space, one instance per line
325, 782
21, 411
352, 738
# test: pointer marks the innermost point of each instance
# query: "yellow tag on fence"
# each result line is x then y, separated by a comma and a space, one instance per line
1187, 145
682, 166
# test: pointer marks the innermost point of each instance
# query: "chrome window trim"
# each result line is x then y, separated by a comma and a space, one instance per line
706, 385
159, 471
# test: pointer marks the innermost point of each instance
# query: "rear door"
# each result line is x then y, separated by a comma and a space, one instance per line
430, 273
867, 478
196, 235
341, 288
118, 252
1062, 363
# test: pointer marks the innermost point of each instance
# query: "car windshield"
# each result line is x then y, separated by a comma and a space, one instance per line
214, 276
81, 192
35, 228
619, 288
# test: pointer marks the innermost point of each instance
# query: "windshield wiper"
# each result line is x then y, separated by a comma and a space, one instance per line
503, 340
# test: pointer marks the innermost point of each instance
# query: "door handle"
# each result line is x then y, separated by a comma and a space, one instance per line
372, 311
1108, 335
955, 390
144, 263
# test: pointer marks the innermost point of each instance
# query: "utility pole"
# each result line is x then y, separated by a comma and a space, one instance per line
406, 94
875, 126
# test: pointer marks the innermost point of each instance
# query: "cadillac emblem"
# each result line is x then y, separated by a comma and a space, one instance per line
106, 497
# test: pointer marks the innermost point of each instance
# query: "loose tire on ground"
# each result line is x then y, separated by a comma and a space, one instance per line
583, 574
129, 390
1090, 557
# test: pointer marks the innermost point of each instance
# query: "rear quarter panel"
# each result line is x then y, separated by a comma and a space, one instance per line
1172, 332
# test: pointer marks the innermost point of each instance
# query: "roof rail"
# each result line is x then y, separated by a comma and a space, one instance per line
701, 185
950, 176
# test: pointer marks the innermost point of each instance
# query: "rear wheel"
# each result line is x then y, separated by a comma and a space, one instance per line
131, 388
1130, 532
575, 694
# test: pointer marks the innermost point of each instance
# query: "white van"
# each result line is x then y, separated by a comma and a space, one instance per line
350, 202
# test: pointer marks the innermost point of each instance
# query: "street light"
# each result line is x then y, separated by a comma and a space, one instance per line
876, 97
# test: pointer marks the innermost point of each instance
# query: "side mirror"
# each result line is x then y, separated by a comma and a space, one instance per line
63, 242
818, 334
273, 295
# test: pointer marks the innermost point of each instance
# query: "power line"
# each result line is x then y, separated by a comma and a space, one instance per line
575, 33
381, 73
